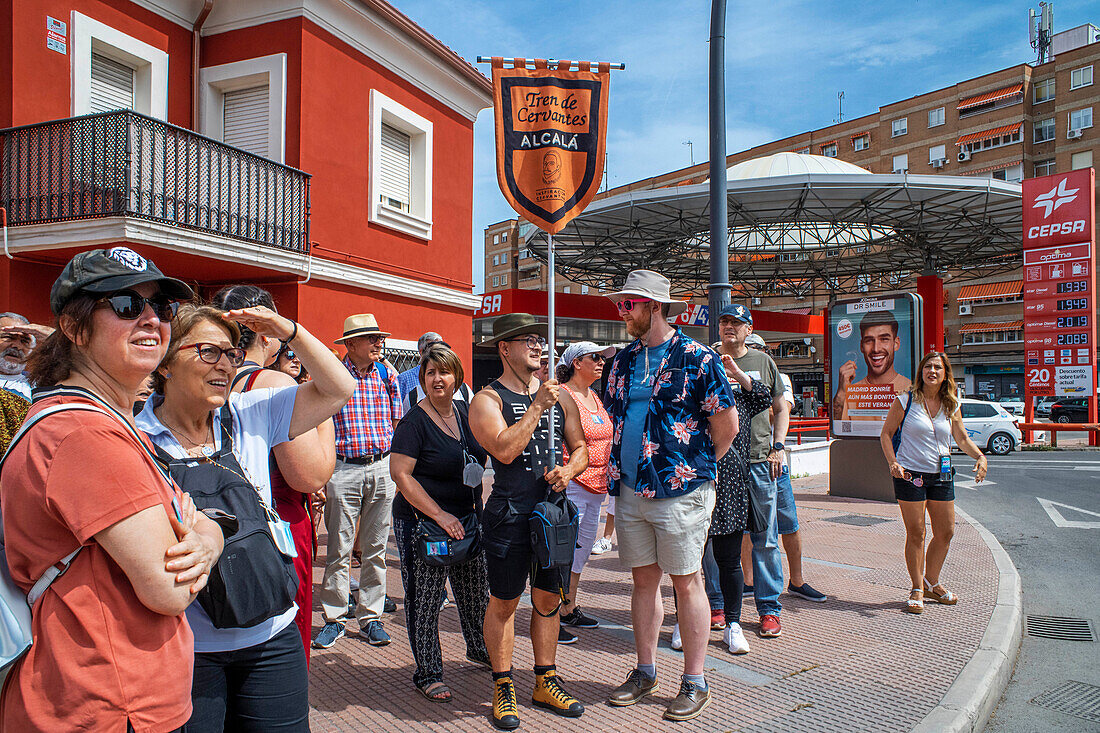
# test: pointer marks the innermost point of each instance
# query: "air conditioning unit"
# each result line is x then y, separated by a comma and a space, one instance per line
963, 156
901, 171
1073, 134
964, 309
938, 162
756, 301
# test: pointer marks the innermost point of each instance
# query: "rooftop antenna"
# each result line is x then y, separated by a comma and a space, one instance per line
1040, 28
840, 107
691, 150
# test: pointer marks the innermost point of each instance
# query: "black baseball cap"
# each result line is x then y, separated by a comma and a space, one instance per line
108, 270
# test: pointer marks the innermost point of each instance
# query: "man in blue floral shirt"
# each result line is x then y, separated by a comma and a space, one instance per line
671, 406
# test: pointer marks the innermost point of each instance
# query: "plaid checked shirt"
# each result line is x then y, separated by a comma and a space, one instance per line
364, 426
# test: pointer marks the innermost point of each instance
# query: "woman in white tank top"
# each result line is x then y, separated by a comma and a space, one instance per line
925, 419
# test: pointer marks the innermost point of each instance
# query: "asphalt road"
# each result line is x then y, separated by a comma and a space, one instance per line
1057, 551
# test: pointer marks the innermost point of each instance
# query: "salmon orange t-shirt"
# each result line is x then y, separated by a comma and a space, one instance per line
100, 658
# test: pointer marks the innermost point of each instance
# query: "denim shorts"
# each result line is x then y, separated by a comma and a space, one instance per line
933, 488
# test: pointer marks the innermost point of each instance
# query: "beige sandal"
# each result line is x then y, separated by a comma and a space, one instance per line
946, 598
915, 605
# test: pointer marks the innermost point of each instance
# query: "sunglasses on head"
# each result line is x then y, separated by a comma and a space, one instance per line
212, 353
129, 305
628, 304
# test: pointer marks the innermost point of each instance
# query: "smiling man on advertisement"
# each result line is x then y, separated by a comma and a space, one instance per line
879, 343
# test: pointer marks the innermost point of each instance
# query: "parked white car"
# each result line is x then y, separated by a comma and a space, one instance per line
991, 426
1013, 405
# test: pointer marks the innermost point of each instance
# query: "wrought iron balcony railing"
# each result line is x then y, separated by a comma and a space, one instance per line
128, 164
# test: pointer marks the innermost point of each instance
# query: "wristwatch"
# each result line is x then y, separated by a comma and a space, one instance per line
777, 447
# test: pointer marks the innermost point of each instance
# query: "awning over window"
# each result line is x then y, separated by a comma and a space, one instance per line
991, 168
986, 134
1011, 288
831, 142
860, 134
987, 327
993, 96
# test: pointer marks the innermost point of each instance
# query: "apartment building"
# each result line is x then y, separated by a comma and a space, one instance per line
1023, 121
509, 265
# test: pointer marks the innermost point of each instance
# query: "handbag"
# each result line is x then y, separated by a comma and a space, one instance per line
438, 549
895, 439
757, 520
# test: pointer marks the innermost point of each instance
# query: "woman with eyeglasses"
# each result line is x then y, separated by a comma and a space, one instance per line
581, 365
299, 468
112, 650
925, 419
250, 668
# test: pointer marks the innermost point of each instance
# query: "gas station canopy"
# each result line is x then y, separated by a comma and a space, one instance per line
802, 224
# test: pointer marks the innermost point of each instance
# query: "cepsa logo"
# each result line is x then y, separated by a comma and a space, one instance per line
1049, 230
1058, 210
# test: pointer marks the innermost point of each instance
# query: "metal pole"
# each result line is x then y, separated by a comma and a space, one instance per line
719, 222
550, 343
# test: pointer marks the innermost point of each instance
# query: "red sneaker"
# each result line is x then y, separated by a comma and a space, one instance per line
718, 620
769, 626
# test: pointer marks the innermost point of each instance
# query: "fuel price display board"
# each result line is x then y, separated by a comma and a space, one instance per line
1060, 285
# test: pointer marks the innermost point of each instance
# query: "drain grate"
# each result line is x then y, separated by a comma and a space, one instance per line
1072, 698
857, 520
1060, 627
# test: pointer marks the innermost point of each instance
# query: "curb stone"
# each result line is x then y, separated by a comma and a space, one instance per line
974, 694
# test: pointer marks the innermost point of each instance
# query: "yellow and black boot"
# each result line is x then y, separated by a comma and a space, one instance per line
505, 709
550, 694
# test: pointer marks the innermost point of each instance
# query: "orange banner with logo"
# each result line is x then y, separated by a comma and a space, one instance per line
550, 130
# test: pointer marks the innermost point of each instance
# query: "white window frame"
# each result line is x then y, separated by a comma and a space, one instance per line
504, 258
1042, 125
215, 81
417, 221
496, 260
829, 150
504, 279
1077, 112
1048, 165
1043, 84
904, 157
496, 280
942, 116
150, 66
937, 152
1080, 73
1085, 157
861, 142
896, 129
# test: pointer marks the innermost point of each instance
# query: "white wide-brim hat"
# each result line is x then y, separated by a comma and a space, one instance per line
652, 285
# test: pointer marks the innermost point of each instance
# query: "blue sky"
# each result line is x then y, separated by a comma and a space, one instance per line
785, 62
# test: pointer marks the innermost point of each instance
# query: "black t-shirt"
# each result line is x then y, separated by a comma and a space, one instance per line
439, 461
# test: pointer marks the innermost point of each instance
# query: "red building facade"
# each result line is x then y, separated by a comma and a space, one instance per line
332, 162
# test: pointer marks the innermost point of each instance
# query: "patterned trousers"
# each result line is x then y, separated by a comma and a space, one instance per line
424, 587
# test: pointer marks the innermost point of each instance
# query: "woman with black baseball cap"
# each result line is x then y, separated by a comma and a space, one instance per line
112, 650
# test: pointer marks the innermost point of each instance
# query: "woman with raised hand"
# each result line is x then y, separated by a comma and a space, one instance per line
112, 650
250, 668
581, 365
299, 468
436, 464
925, 419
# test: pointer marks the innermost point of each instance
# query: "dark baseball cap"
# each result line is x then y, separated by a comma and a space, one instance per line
737, 312
107, 270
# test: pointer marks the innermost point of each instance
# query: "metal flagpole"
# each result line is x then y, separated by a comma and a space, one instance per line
550, 343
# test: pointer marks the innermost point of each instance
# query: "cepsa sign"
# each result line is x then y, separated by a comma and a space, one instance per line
1060, 284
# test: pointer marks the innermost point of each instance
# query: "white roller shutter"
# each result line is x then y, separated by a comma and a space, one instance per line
112, 85
395, 184
245, 121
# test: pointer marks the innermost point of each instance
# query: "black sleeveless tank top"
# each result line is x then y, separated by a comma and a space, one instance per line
520, 482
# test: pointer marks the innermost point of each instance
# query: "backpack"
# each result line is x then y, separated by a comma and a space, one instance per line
15, 605
895, 439
553, 525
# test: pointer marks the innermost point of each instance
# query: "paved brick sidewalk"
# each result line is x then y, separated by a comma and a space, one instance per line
855, 663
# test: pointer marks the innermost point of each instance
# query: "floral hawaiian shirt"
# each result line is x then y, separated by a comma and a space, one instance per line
690, 386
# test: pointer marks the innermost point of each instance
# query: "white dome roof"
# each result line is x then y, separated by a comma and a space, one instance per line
790, 164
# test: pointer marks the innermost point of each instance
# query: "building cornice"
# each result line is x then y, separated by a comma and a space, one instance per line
374, 27
87, 233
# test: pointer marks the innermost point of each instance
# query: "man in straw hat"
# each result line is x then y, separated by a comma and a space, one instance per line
360, 490
510, 418
671, 407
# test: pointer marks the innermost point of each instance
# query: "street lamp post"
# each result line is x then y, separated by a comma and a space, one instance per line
719, 291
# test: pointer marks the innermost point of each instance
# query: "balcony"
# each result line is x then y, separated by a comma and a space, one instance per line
125, 164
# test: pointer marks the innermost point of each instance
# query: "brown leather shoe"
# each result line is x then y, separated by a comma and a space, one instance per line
636, 687
689, 703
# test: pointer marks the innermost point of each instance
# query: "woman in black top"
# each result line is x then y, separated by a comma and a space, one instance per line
427, 459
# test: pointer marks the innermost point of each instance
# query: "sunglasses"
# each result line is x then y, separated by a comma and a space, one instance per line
597, 358
212, 353
129, 305
533, 342
628, 305
289, 354
375, 339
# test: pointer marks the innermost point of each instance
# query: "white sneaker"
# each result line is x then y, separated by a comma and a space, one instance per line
676, 644
601, 546
735, 639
